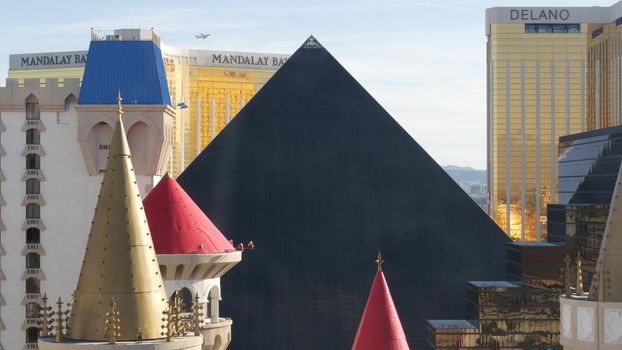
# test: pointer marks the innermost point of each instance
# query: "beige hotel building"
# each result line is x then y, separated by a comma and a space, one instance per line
551, 71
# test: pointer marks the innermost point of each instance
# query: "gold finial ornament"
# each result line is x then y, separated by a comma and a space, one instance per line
119, 106
180, 329
196, 315
45, 317
119, 260
579, 287
567, 284
168, 323
113, 328
379, 261
59, 321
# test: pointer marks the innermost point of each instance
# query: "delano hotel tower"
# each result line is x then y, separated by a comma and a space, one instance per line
551, 72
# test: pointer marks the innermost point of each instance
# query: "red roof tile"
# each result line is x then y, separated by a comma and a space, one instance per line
380, 327
177, 224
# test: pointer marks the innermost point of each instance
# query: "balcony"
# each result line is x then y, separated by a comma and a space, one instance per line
2, 153
2, 128
33, 174
32, 298
35, 149
2, 278
2, 202
36, 273
2, 178
33, 248
2, 227
30, 322
36, 223
2, 251
35, 198
33, 124
211, 332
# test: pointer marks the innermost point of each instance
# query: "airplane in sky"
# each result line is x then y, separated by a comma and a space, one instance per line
202, 36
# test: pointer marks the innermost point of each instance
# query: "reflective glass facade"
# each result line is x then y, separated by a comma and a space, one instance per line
536, 93
604, 103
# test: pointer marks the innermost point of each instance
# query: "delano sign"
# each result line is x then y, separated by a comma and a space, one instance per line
49, 60
539, 14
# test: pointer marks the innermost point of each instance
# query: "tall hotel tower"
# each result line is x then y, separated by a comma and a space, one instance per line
545, 73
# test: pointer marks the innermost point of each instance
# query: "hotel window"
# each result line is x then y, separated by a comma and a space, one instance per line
33, 186
597, 32
33, 211
32, 310
32, 108
33, 161
32, 335
552, 28
618, 21
33, 261
32, 137
33, 286
33, 236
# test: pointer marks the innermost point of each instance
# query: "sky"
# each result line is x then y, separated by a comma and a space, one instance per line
423, 61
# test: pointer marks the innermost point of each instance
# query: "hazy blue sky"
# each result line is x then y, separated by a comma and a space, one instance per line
424, 61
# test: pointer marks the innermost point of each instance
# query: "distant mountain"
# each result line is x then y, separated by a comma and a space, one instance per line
466, 175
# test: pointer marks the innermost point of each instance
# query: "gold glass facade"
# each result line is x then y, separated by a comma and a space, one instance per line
212, 95
604, 73
536, 93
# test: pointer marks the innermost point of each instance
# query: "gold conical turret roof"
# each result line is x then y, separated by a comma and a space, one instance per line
120, 260
607, 281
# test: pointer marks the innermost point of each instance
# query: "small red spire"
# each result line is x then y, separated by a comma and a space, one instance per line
178, 225
380, 327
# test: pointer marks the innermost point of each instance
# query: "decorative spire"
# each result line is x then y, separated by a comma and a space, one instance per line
379, 261
196, 315
113, 328
120, 260
579, 289
45, 317
607, 281
567, 278
380, 326
119, 107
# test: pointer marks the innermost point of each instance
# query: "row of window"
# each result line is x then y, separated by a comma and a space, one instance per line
552, 28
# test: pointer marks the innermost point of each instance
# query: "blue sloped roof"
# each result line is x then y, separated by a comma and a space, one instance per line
134, 67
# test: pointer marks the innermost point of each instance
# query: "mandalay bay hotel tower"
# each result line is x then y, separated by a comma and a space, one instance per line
551, 71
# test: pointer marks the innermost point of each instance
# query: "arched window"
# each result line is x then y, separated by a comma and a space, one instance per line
33, 137
33, 236
33, 186
32, 108
32, 286
99, 143
32, 310
33, 261
32, 335
212, 306
186, 299
33, 161
33, 211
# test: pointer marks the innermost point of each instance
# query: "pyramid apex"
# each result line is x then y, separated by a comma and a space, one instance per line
312, 43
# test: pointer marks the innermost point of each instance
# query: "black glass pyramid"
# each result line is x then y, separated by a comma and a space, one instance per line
321, 177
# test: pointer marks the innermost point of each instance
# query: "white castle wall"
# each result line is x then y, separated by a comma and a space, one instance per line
69, 192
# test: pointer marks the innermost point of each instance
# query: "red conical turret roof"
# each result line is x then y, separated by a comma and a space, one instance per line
177, 224
380, 327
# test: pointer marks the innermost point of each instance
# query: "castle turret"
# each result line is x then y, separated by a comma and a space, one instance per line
380, 326
193, 254
120, 297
